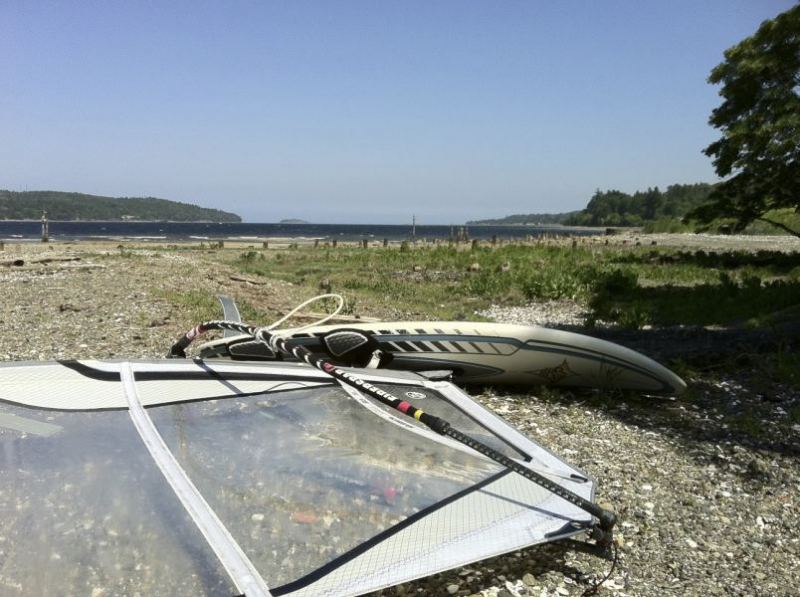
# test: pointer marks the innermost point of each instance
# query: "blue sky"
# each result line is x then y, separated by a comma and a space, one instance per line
363, 112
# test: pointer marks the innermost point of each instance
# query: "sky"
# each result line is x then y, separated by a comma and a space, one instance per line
363, 111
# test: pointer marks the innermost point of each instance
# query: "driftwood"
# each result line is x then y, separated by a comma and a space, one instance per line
343, 318
55, 259
246, 280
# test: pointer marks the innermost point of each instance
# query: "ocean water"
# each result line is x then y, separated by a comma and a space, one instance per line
157, 231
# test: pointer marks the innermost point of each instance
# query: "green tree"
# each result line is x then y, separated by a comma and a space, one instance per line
760, 123
653, 201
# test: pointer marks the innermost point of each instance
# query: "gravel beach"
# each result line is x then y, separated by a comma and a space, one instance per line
706, 487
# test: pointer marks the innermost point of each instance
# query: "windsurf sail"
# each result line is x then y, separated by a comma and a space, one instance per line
320, 489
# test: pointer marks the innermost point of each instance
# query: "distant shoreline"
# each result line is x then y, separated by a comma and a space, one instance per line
549, 226
51, 221
205, 230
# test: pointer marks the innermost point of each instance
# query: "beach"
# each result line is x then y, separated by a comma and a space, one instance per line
703, 508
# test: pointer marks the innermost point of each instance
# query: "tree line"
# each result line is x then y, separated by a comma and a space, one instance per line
525, 219
29, 205
615, 208
757, 155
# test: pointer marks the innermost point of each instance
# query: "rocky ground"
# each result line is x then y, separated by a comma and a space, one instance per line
705, 485
709, 242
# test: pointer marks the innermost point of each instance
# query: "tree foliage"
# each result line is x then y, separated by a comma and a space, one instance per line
532, 219
760, 123
29, 205
615, 208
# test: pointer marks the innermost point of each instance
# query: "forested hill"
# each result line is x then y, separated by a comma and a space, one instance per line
531, 219
615, 208
29, 205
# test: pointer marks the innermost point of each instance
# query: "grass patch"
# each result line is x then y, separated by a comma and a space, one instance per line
195, 306
748, 423
724, 303
445, 282
631, 286
788, 217
695, 288
786, 368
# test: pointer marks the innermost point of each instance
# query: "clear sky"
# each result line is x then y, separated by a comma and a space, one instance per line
363, 112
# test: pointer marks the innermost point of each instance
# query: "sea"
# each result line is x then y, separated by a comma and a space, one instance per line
21, 231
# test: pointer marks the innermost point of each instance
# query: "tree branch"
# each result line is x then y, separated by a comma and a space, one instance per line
783, 227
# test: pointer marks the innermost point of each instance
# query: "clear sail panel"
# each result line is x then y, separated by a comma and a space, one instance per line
85, 511
303, 478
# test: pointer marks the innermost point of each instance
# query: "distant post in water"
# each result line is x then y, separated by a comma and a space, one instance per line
414, 228
45, 228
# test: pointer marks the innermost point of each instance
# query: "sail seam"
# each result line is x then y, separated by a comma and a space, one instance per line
241, 570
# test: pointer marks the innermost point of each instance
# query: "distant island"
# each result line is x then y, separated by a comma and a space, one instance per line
29, 205
293, 221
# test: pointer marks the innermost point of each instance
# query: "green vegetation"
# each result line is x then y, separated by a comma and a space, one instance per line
198, 306
759, 151
656, 211
732, 299
526, 219
615, 208
759, 119
194, 305
29, 205
443, 282
630, 286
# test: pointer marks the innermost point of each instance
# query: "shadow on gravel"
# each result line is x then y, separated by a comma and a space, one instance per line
701, 346
732, 398
777, 261
730, 300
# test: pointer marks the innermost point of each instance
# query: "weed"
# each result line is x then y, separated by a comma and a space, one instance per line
634, 318
787, 367
749, 423
251, 256
195, 305
633, 287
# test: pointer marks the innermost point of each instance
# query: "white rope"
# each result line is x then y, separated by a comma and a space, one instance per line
337, 297
268, 336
